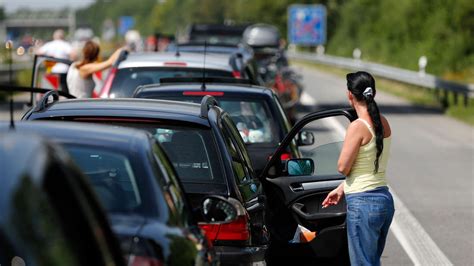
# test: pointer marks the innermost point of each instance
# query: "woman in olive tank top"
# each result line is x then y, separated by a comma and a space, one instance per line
363, 161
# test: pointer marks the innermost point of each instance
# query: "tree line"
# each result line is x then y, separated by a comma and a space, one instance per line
393, 32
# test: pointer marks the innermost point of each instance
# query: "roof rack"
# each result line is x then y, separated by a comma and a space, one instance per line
44, 102
197, 43
206, 80
207, 102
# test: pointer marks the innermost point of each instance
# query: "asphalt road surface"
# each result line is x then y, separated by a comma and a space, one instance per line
431, 170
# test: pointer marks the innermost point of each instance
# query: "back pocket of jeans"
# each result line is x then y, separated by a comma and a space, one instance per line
377, 215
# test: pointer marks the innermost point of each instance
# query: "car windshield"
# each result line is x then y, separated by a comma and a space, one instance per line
252, 117
112, 176
128, 79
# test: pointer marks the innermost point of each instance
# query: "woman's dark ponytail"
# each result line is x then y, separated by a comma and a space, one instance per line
362, 86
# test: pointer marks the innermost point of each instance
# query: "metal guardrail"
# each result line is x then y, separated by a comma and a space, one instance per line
392, 73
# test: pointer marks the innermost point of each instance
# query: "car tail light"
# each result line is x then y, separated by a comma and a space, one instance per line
235, 230
203, 93
285, 156
143, 261
104, 93
211, 230
236, 74
175, 64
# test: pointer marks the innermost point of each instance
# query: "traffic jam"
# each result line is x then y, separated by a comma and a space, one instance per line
195, 155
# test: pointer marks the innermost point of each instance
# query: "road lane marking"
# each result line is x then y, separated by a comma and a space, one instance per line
413, 238
416, 242
306, 99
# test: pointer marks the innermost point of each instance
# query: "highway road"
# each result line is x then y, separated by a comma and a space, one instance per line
431, 171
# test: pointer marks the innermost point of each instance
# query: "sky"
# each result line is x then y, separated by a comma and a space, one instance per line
13, 5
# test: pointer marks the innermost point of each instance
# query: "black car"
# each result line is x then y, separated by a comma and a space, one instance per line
255, 110
215, 33
138, 188
207, 152
49, 214
290, 197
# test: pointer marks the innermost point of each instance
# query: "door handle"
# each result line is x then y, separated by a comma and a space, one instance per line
298, 209
296, 187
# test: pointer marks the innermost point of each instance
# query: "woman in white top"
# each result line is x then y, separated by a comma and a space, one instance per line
363, 159
79, 76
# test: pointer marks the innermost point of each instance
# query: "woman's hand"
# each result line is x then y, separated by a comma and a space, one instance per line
334, 196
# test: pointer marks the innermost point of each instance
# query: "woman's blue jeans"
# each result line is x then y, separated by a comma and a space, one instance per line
369, 215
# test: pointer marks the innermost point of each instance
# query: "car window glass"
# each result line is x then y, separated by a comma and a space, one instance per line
192, 152
172, 190
328, 135
128, 79
238, 163
238, 141
111, 176
253, 120
253, 117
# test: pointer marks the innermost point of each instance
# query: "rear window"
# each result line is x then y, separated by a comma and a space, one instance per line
112, 177
128, 79
192, 152
253, 117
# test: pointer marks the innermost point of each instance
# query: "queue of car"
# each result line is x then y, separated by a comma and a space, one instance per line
192, 160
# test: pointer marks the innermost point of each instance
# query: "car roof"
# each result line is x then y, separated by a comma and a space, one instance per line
245, 90
93, 134
170, 59
127, 107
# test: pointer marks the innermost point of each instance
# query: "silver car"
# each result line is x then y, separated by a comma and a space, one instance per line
139, 69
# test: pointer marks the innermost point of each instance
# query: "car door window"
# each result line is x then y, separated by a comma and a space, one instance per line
238, 162
329, 136
239, 143
172, 191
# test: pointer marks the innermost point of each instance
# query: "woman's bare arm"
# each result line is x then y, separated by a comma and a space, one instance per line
350, 148
91, 68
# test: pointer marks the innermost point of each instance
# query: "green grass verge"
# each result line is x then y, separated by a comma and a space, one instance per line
414, 94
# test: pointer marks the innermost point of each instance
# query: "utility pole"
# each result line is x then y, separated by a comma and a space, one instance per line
72, 21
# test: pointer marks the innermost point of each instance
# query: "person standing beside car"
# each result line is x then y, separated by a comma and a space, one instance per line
58, 48
363, 160
79, 76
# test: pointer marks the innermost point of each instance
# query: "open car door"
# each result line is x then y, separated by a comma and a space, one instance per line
42, 76
296, 188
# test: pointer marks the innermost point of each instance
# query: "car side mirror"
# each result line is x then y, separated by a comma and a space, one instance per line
305, 138
298, 167
218, 209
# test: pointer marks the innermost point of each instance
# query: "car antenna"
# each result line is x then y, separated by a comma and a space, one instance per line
9, 46
177, 54
203, 86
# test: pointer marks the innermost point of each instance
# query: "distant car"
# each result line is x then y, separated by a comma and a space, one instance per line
207, 152
138, 69
215, 33
49, 213
255, 110
213, 48
138, 188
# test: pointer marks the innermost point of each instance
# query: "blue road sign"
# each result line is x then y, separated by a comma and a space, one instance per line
125, 23
307, 24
